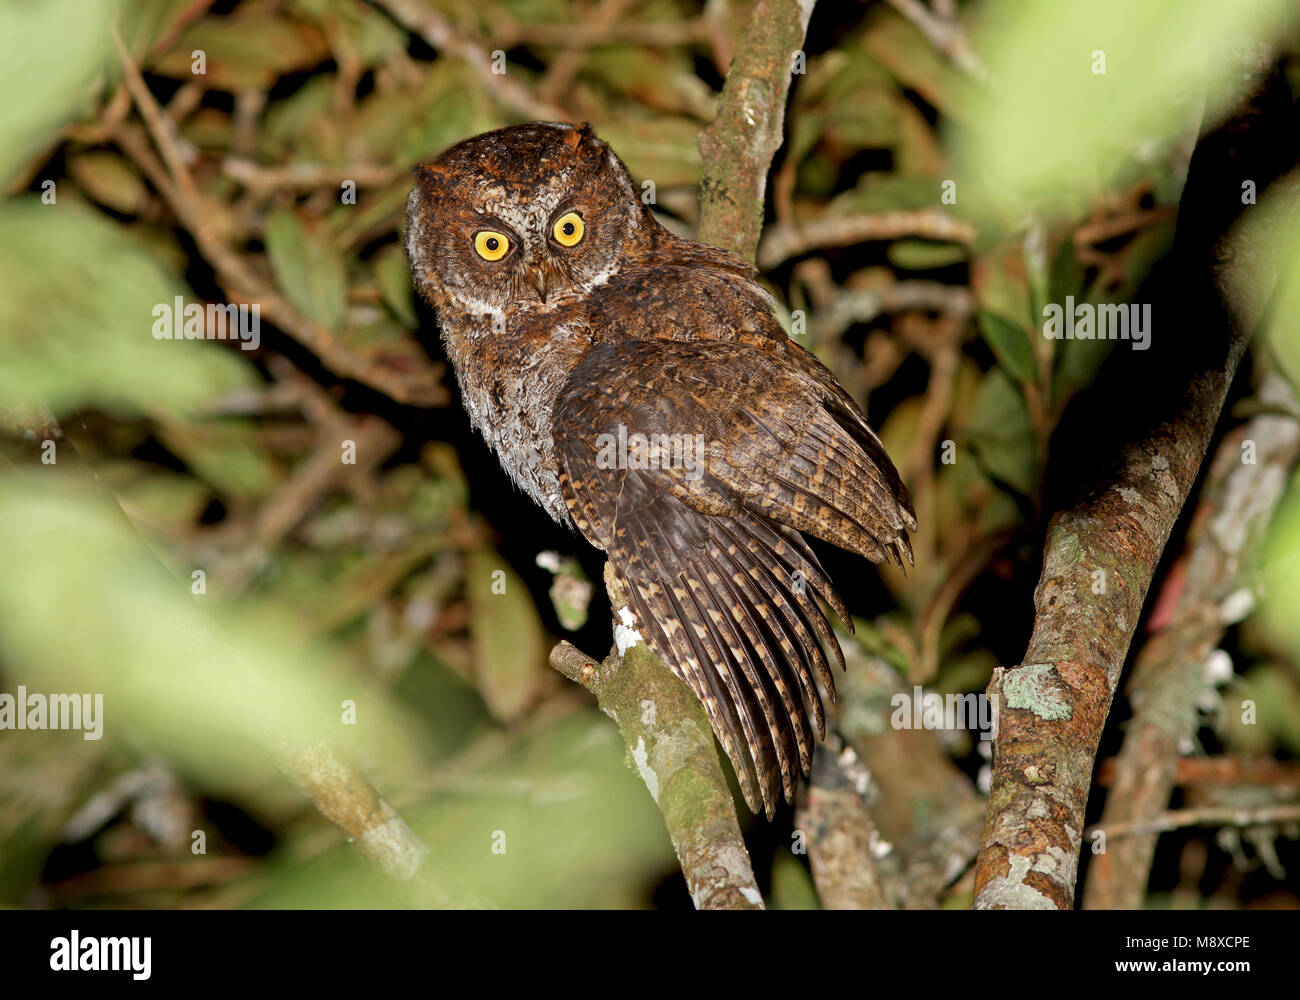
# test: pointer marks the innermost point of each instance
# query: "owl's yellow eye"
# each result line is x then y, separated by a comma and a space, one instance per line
490, 245
569, 229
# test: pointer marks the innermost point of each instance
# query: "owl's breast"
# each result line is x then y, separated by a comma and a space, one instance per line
509, 382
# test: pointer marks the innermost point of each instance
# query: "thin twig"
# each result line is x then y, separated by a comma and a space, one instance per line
1177, 819
1169, 677
785, 241
947, 36
434, 28
1211, 771
564, 67
306, 176
587, 35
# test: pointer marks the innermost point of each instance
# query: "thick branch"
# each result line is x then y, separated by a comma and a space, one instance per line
842, 838
351, 803
1169, 677
738, 147
668, 736
1101, 553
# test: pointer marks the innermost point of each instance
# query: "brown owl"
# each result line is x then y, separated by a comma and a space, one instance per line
638, 386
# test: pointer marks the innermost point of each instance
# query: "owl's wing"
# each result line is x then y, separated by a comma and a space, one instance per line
695, 465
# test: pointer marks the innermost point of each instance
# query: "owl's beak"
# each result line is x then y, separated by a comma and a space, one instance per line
538, 277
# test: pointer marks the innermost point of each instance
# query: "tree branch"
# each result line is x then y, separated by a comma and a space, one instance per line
843, 842
1054, 705
671, 744
1169, 677
1177, 819
785, 240
351, 803
749, 127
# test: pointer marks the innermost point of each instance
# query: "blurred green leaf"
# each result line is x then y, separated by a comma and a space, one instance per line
877, 192
557, 820
1098, 87
1010, 345
76, 329
108, 179
510, 646
1066, 274
1261, 710
924, 255
192, 678
50, 53
225, 454
792, 885
393, 274
898, 46
302, 126
1001, 435
307, 269
249, 48
1281, 570
661, 148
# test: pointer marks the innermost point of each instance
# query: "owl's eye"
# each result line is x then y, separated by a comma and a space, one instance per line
569, 229
490, 245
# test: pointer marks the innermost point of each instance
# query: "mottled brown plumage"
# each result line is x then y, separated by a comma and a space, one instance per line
638, 386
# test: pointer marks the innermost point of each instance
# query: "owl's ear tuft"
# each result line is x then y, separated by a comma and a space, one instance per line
429, 176
575, 137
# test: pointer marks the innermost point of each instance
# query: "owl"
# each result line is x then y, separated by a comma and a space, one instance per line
638, 386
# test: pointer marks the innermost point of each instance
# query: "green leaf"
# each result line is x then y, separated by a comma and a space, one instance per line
197, 681
224, 453
50, 53
924, 255
1010, 346
307, 269
510, 646
792, 886
76, 328
1077, 364
1281, 572
108, 179
1100, 89
1066, 275
248, 49
1001, 435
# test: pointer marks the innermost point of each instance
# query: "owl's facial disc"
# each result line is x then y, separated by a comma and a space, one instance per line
525, 218
538, 247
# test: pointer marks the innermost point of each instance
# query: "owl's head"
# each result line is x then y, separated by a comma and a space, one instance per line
526, 217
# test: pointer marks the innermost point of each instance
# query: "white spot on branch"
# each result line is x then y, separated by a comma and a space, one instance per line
625, 634
641, 758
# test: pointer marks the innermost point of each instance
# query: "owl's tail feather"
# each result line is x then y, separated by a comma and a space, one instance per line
737, 620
